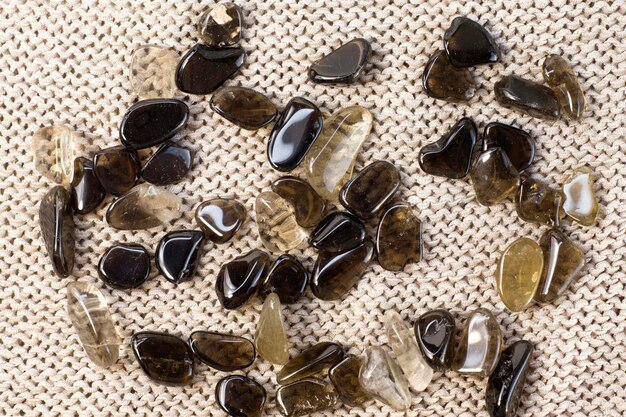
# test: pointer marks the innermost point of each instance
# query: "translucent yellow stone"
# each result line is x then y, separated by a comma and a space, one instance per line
53, 153
270, 338
330, 161
518, 273
580, 201
152, 70
276, 222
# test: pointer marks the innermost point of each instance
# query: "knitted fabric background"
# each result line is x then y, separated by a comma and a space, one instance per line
66, 61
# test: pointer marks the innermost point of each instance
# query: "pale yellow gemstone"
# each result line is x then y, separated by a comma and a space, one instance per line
270, 338
518, 273
152, 70
381, 377
330, 161
276, 222
580, 201
53, 153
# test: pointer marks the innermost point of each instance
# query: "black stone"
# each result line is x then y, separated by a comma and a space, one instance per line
152, 122
223, 352
240, 278
57, 228
518, 144
164, 358
86, 191
124, 266
527, 96
117, 169
442, 80
204, 69
177, 254
338, 232
240, 396
287, 278
168, 165
468, 44
343, 65
435, 333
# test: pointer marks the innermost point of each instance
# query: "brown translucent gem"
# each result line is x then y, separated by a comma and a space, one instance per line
345, 377
518, 144
527, 96
240, 396
239, 279
244, 107
538, 203
117, 169
220, 218
343, 65
559, 75
287, 278
164, 358
315, 360
307, 396
399, 238
444, 81
168, 165
57, 228
222, 351
143, 207
338, 232
85, 190
307, 204
220, 25
469, 44
493, 177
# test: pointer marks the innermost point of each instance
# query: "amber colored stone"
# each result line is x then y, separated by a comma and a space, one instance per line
580, 201
57, 229
527, 96
270, 337
168, 165
383, 379
494, 177
338, 232
53, 153
345, 377
244, 107
518, 144
317, 359
152, 122
468, 44
124, 266
220, 218
444, 81
536, 202
451, 156
276, 223
305, 397
117, 169
479, 347
203, 69
223, 352
240, 278
559, 75
240, 396
518, 273
307, 204
220, 25
399, 238
152, 72
435, 331
164, 358
85, 189
287, 278
177, 254
143, 207
343, 65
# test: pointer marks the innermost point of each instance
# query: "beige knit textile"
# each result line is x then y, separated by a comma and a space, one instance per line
66, 61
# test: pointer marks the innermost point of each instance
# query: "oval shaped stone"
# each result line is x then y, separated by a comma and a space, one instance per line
177, 254
164, 358
203, 69
117, 169
220, 25
494, 177
240, 396
317, 359
518, 273
287, 278
53, 153
240, 278
480, 345
307, 204
343, 65
152, 71
124, 266
276, 223
220, 219
559, 75
345, 377
383, 379
534, 99
304, 397
399, 238
270, 337
85, 190
244, 107
442, 80
338, 232
152, 122
580, 202
223, 352
518, 144
536, 202
468, 43
168, 165
435, 333
57, 229
143, 207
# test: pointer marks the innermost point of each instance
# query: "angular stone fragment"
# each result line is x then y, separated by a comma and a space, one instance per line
338, 232
469, 44
124, 266
164, 358
435, 333
317, 359
117, 169
57, 229
221, 25
223, 352
152, 122
399, 238
345, 377
480, 345
152, 71
240, 396
494, 177
559, 75
330, 161
527, 96
53, 153
143, 207
240, 278
307, 204
270, 337
287, 278
244, 107
536, 202
203, 69
89, 313
304, 397
177, 254
85, 190
276, 222
220, 218
444, 81
518, 273
451, 156
168, 165
580, 201
382, 378
343, 65
518, 144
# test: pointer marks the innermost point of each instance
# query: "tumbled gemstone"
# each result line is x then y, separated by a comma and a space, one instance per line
307, 204
480, 345
220, 25
435, 333
399, 238
85, 190
383, 379
518, 144
527, 96
563, 261
240, 278
506, 384
143, 207
168, 165
518, 273
152, 122
469, 44
408, 354
536, 202
345, 377
89, 313
494, 177
371, 189
343, 65
152, 71
336, 273
330, 160
299, 124
276, 222
287, 278
240, 396
204, 69
317, 359
305, 397
117, 169
57, 229
444, 81
124, 266
164, 358
177, 254
53, 153
338, 232
559, 75
580, 201
270, 337
244, 107
224, 352
220, 219
451, 156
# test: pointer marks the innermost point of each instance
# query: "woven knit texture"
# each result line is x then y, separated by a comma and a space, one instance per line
67, 61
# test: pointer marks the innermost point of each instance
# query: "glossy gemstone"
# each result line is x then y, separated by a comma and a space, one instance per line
451, 156
330, 160
304, 397
124, 266
220, 219
317, 359
203, 69
469, 44
57, 229
527, 96
220, 25
518, 144
536, 202
168, 165
580, 201
152, 122
494, 177
338, 232
85, 189
152, 71
444, 81
382, 378
117, 169
143, 207
240, 396
343, 65
435, 333
240, 278
480, 345
345, 377
276, 222
244, 107
177, 254
307, 204
223, 352
299, 124
518, 273
559, 75
399, 238
53, 153
164, 358
270, 337
89, 313
287, 278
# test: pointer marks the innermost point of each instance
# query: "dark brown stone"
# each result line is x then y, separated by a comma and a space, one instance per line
240, 396
152, 122
177, 254
317, 359
287, 278
343, 65
527, 96
220, 219
345, 377
165, 358
244, 107
518, 144
223, 352
468, 44
117, 169
536, 202
308, 206
168, 165
220, 25
444, 81
239, 279
304, 397
57, 229
435, 332
124, 266
338, 232
85, 190
399, 238
494, 177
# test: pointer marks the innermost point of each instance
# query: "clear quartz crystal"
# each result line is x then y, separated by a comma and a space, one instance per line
580, 201
276, 222
53, 153
381, 377
152, 70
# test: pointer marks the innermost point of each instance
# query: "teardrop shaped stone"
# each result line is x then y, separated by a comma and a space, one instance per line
451, 156
534, 99
435, 331
371, 189
53, 153
468, 44
287, 278
164, 358
480, 344
382, 378
124, 266
307, 204
240, 396
143, 207
297, 127
518, 144
85, 189
336, 273
276, 222
220, 25
89, 313
444, 81
203, 69
580, 201
494, 177
270, 338
117, 169
338, 232
345, 377
168, 165
152, 122
330, 160
399, 238
304, 397
518, 273
223, 352
240, 278
152, 71
343, 65
317, 359
244, 107
177, 254
57, 229
536, 202
220, 218
559, 75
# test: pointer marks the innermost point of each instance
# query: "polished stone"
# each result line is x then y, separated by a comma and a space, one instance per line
168, 165
307, 204
164, 358
178, 253
559, 75
221, 25
220, 219
117, 169
124, 266
345, 377
469, 44
517, 143
53, 153
240, 396
239, 279
85, 189
304, 397
527, 96
57, 229
244, 107
518, 273
399, 238
338, 232
536, 202
479, 347
223, 352
287, 278
383, 379
143, 207
152, 122
152, 71
276, 223
435, 332
494, 177
317, 359
444, 81
580, 202
343, 65
203, 69
270, 337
